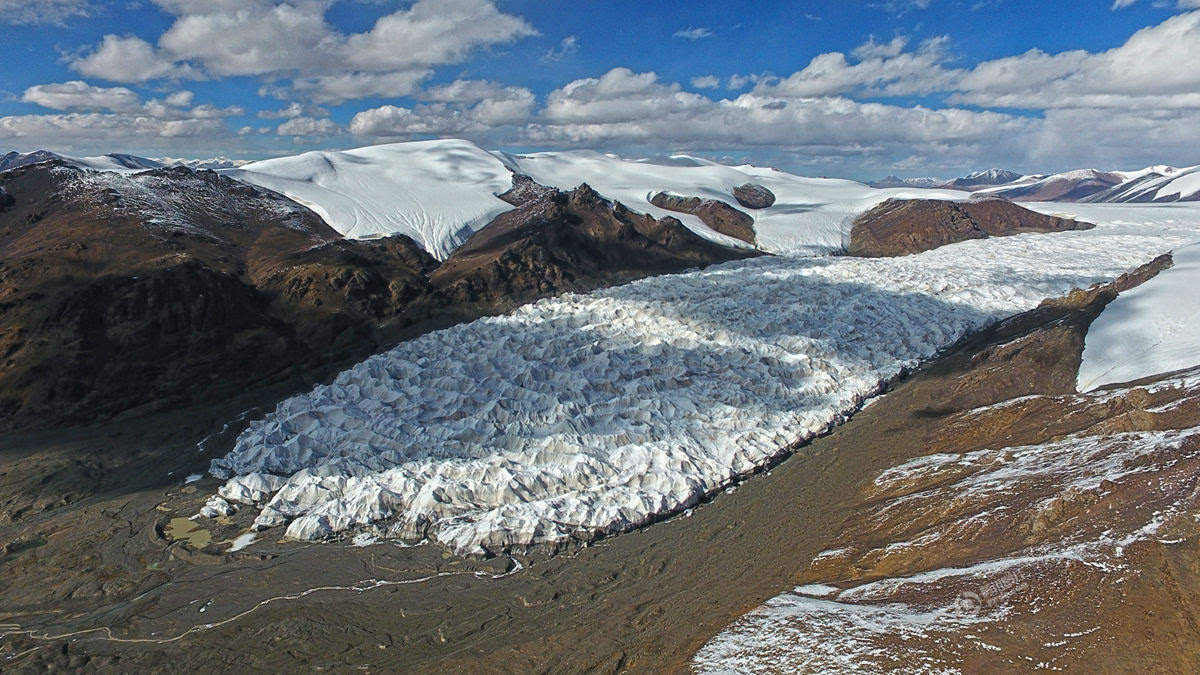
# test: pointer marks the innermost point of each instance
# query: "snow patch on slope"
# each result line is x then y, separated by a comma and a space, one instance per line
587, 415
1151, 329
927, 620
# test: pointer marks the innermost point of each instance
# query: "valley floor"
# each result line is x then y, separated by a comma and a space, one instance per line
107, 581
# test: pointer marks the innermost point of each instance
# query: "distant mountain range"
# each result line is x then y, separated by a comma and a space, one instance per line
894, 181
114, 162
1152, 184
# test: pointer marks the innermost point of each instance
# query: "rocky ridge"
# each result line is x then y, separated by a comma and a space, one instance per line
907, 226
716, 214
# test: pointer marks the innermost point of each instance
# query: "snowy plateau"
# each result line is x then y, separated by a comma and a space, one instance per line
588, 415
441, 192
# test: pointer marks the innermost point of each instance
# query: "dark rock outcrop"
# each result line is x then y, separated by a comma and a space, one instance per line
754, 196
904, 226
716, 214
174, 287
573, 241
524, 190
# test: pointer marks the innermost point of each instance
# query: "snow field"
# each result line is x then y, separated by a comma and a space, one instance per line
1151, 329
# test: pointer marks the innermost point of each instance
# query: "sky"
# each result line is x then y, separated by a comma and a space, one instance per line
848, 88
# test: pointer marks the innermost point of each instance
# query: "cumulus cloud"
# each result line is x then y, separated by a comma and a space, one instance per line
1179, 4
706, 82
292, 111
180, 98
462, 107
308, 126
77, 95
129, 59
619, 95
567, 47
44, 12
292, 41
875, 50
693, 33
623, 107
90, 128
1148, 71
739, 82
885, 70
113, 117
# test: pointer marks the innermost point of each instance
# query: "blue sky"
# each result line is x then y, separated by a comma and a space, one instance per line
835, 88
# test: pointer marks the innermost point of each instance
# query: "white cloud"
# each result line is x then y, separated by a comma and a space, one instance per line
739, 82
180, 98
77, 95
292, 111
1179, 4
623, 107
881, 70
67, 130
706, 82
567, 47
333, 89
618, 95
112, 119
276, 40
693, 33
308, 126
874, 50
1151, 70
462, 107
129, 59
44, 12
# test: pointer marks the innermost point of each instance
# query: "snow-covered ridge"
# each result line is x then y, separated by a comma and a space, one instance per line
440, 192
437, 192
1149, 330
585, 415
178, 203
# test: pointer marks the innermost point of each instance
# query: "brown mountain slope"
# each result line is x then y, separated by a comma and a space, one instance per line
171, 287
1022, 525
573, 241
716, 214
132, 293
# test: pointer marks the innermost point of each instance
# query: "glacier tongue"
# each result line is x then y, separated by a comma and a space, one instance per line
586, 415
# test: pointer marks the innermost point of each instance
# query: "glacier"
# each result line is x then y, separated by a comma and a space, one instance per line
588, 415
1149, 330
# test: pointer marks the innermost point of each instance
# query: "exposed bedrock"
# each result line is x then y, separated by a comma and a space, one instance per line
569, 241
716, 214
905, 226
754, 196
